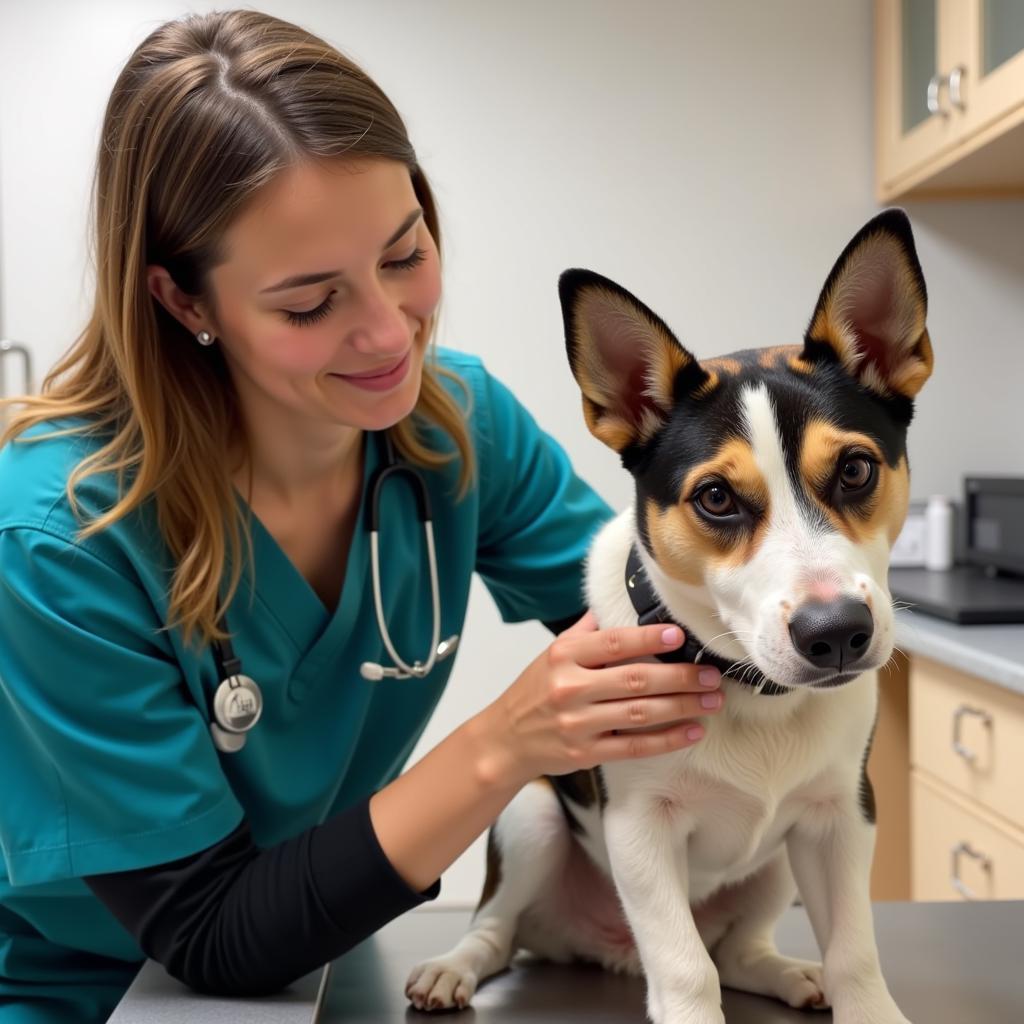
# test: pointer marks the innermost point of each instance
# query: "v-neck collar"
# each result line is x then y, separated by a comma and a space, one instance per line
288, 597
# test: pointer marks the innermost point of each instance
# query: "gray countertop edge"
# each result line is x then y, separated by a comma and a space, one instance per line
154, 997
993, 653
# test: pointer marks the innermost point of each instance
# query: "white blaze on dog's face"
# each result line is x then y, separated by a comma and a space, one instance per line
773, 480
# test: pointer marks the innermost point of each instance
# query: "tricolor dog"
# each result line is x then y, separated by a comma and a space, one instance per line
770, 486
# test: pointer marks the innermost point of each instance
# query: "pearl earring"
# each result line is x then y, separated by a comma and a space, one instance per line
204, 338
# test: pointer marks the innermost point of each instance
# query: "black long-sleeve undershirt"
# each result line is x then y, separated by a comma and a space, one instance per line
236, 919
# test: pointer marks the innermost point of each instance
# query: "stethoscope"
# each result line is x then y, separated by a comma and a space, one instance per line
238, 702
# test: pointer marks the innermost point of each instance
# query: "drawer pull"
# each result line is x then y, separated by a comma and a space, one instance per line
954, 878
955, 82
935, 83
958, 717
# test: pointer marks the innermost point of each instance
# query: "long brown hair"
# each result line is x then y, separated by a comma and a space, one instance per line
206, 111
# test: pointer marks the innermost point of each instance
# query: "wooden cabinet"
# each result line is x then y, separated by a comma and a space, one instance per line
959, 850
949, 96
967, 786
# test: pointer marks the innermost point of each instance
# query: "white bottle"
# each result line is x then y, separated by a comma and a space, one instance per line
939, 549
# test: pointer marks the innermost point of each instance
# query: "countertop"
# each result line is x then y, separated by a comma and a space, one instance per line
993, 653
945, 963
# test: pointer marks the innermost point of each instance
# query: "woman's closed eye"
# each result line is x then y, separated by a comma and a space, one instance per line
304, 317
414, 259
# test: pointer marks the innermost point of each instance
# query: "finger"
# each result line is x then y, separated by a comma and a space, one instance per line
647, 679
647, 712
605, 646
628, 746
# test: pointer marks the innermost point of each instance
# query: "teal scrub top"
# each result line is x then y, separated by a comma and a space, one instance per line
106, 759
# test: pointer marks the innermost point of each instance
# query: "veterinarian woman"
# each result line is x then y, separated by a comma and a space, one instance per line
267, 278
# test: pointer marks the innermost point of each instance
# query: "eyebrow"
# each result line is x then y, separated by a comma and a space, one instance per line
325, 275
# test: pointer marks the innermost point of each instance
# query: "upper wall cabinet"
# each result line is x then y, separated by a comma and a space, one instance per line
949, 93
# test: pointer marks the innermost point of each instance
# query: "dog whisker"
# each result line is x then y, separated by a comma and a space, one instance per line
745, 664
731, 633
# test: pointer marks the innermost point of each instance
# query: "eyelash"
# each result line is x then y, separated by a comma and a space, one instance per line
311, 316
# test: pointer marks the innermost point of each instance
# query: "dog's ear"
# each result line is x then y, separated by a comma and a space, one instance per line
628, 364
870, 316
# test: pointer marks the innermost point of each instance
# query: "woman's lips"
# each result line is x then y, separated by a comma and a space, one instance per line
378, 380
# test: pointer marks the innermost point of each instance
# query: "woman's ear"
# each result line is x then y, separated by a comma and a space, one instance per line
185, 308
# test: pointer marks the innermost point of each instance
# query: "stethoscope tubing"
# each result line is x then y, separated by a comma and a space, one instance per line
418, 669
238, 702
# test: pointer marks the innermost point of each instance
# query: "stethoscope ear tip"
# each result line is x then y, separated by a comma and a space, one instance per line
370, 670
446, 648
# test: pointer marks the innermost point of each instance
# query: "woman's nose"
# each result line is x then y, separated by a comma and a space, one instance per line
380, 325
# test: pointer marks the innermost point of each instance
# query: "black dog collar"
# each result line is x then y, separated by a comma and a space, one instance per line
650, 610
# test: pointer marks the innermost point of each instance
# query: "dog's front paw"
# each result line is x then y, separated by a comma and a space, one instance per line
440, 984
766, 972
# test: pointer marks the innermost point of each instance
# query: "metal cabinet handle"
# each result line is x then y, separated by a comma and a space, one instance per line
13, 348
934, 86
966, 849
958, 717
955, 81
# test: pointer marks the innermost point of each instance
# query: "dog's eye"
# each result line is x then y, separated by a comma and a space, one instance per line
716, 501
856, 473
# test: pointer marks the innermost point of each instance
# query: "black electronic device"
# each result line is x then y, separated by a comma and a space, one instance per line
990, 587
994, 514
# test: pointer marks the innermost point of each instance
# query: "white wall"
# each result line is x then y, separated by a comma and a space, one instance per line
713, 157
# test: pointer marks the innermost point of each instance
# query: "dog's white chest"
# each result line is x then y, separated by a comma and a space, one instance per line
724, 830
728, 802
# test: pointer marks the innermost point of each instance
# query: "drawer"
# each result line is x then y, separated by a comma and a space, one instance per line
969, 734
949, 842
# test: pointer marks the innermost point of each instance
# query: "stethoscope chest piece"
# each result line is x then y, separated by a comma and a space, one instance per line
237, 706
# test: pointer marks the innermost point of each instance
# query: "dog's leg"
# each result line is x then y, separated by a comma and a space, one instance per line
530, 844
747, 957
831, 855
647, 850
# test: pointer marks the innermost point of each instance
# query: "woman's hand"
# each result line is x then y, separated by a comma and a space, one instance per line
569, 708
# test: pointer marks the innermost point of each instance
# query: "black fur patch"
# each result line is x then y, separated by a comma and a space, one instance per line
493, 877
867, 791
584, 788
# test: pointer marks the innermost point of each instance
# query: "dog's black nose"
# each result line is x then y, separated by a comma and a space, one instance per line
832, 634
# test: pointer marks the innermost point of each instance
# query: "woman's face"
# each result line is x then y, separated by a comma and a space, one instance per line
324, 301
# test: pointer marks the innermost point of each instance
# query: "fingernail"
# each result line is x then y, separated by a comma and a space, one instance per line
710, 700
709, 677
694, 732
671, 636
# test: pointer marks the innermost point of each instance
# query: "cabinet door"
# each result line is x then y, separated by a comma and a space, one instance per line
916, 40
960, 853
970, 734
994, 73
